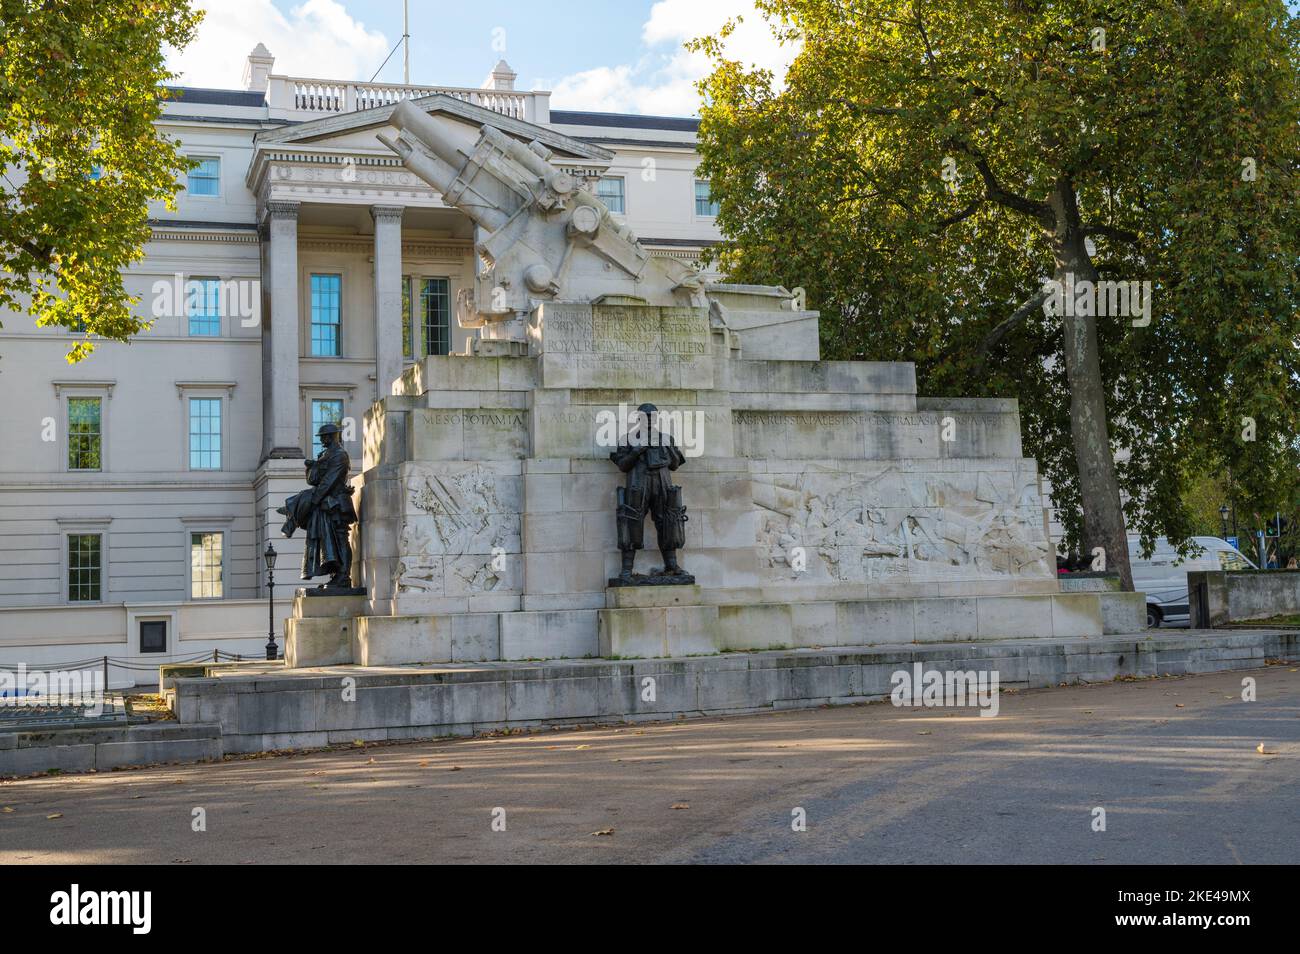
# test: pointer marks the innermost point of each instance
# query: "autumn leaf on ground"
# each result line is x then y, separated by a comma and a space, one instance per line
60, 814
604, 831
678, 806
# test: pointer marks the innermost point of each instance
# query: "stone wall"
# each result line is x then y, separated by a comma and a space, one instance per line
1219, 597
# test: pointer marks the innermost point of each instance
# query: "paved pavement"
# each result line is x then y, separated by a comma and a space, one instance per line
1173, 762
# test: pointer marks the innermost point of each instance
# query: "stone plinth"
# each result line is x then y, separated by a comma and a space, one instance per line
650, 631
319, 641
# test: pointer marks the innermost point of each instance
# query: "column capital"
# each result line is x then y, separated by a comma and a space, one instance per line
386, 211
282, 209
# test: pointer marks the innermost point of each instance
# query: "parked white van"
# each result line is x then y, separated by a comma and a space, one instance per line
1163, 575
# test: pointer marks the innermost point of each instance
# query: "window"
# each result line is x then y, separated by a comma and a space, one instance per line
325, 315
435, 317
205, 178
610, 191
704, 204
85, 565
203, 306
153, 635
85, 440
324, 411
205, 433
205, 566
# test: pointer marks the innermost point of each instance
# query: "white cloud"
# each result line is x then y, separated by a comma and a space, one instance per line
663, 80
318, 38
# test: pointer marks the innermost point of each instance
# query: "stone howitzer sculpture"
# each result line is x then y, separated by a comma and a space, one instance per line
539, 236
538, 233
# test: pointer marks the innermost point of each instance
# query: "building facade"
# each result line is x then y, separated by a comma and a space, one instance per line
302, 270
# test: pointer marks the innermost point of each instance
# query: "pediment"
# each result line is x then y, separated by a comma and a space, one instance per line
356, 130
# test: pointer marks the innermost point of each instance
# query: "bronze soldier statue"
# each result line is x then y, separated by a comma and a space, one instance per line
649, 458
326, 513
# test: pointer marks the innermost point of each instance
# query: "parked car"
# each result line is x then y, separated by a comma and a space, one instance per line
1163, 575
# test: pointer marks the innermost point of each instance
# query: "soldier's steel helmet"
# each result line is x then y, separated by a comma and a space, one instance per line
329, 429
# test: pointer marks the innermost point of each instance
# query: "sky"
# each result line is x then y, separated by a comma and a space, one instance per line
604, 55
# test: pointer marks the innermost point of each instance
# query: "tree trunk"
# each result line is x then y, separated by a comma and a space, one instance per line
1103, 517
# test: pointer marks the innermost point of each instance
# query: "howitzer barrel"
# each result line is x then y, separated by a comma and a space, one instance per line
423, 127
477, 191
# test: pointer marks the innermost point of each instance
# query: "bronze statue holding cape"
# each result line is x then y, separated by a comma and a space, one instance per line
326, 513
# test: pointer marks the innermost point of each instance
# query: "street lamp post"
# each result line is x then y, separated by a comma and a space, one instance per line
269, 556
1223, 515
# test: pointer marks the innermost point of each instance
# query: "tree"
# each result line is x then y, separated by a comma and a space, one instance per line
927, 166
80, 159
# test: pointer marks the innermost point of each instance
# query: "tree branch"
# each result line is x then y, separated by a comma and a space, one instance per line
1111, 232
996, 192
1006, 326
956, 217
1001, 329
1003, 196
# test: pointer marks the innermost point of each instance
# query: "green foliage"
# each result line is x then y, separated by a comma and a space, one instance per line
80, 159
894, 177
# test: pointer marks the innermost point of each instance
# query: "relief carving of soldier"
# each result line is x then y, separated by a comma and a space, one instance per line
648, 458
325, 511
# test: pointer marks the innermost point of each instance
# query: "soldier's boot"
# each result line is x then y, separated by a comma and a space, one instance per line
671, 567
344, 575
629, 558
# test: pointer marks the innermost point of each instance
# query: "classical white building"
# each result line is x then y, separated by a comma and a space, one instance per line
138, 487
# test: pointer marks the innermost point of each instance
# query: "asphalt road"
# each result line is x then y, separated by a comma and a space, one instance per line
1173, 762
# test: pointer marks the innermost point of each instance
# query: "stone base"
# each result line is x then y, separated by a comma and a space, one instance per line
653, 579
279, 709
682, 620
658, 628
320, 592
317, 641
1123, 612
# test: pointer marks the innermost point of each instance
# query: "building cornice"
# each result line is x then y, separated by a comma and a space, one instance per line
105, 386
183, 386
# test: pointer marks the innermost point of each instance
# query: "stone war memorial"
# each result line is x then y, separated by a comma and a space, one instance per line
804, 503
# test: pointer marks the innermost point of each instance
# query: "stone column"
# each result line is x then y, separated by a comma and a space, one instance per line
282, 430
388, 296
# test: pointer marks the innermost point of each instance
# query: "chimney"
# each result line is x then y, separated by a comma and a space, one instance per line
257, 70
501, 77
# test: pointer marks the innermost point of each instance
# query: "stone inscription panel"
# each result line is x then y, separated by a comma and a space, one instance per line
622, 346
875, 435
